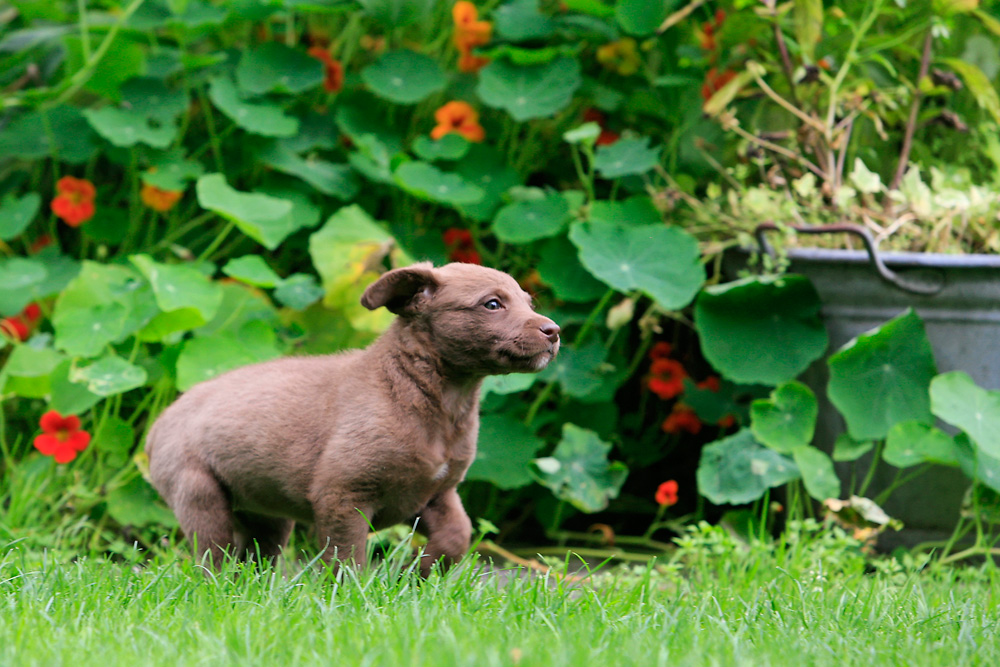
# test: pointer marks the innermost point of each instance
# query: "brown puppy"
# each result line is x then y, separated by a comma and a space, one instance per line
382, 434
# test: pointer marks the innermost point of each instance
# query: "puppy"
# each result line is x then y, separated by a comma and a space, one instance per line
380, 435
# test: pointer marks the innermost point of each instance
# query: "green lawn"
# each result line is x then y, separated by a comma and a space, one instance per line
730, 607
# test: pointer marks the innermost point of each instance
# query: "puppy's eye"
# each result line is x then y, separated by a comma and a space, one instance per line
492, 304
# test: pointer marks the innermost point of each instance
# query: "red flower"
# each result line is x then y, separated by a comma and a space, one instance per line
14, 328
460, 117
727, 421
334, 78
666, 494
661, 350
461, 248
711, 383
714, 81
606, 138
39, 244
667, 378
61, 437
75, 201
32, 312
682, 418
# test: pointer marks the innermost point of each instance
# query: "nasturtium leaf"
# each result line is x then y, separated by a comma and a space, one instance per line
787, 420
336, 180
299, 291
485, 167
18, 276
586, 134
137, 504
580, 371
69, 398
626, 157
882, 377
847, 448
60, 132
817, 472
177, 286
428, 182
533, 91
404, 77
451, 146
505, 449
273, 67
579, 472
304, 214
27, 361
356, 119
268, 120
712, 405
316, 131
263, 218
127, 128
114, 438
511, 383
522, 55
124, 58
16, 213
60, 270
956, 399
912, 442
205, 357
642, 17
91, 294
393, 14
109, 375
976, 463
85, 332
664, 262
761, 330
738, 469
559, 267
520, 21
632, 212
525, 221
252, 270
152, 98
172, 171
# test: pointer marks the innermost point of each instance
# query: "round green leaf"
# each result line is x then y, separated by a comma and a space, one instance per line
404, 77
252, 270
428, 182
26, 361
336, 180
580, 371
85, 332
393, 14
485, 167
661, 261
451, 146
172, 171
506, 448
507, 384
69, 398
738, 469
61, 131
976, 463
633, 212
205, 357
848, 449
114, 439
882, 378
18, 276
785, 421
817, 472
579, 472
534, 91
525, 221
762, 330
180, 287
126, 128
273, 67
109, 376
956, 399
642, 17
16, 213
267, 120
267, 220
559, 267
910, 443
520, 21
299, 291
626, 157
136, 503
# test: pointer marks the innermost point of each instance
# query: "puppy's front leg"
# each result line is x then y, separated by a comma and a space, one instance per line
342, 528
448, 531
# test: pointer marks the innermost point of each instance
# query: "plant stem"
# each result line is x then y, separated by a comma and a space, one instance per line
214, 245
911, 122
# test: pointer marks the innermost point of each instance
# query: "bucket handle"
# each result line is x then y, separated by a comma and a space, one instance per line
884, 271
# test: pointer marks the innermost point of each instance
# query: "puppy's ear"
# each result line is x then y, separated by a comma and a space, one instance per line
401, 290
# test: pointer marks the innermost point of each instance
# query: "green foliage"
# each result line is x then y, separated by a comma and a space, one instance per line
739, 470
579, 472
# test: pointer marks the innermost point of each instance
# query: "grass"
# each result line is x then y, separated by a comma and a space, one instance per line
802, 602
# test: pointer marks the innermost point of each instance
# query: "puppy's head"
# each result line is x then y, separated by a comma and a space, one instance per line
480, 320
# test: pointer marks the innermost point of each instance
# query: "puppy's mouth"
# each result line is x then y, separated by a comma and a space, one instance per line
533, 362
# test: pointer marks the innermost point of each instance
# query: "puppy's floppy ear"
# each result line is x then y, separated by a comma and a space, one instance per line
401, 290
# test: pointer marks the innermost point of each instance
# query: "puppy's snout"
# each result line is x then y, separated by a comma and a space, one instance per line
551, 331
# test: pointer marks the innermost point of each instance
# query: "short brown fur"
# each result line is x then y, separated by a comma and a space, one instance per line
383, 434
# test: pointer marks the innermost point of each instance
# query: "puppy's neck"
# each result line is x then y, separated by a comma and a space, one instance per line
420, 377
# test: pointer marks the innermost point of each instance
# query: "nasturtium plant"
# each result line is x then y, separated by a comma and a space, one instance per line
252, 270
846, 448
762, 330
273, 67
738, 469
525, 221
579, 471
17, 276
817, 472
110, 375
265, 119
504, 451
912, 442
560, 268
626, 157
531, 91
16, 213
265, 219
956, 399
404, 77
336, 180
428, 182
785, 421
882, 377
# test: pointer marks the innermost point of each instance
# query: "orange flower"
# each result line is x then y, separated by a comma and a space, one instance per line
61, 437
159, 200
334, 78
74, 202
461, 247
661, 350
682, 418
666, 493
457, 116
15, 328
667, 378
469, 33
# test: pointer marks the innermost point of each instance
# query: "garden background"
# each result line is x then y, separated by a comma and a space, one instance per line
189, 186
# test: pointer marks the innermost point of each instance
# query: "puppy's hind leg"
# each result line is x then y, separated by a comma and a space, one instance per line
263, 536
204, 513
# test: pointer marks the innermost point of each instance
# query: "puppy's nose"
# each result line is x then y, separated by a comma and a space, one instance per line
551, 331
